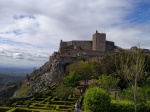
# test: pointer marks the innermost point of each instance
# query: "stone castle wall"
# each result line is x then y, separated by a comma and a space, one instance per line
85, 53
99, 42
85, 45
97, 47
110, 46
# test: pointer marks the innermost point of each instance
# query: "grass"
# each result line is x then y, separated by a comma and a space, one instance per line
23, 91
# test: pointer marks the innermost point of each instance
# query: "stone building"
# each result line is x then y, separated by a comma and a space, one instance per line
98, 46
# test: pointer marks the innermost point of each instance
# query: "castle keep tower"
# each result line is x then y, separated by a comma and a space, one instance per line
99, 42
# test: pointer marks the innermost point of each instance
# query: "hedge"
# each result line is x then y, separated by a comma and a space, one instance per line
4, 109
128, 106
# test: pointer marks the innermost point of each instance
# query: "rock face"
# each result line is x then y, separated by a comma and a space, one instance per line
49, 75
46, 76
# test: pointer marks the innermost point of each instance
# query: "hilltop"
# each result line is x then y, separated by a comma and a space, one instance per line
53, 71
71, 73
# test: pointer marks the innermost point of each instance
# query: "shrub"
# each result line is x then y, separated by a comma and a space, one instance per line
1, 104
27, 102
147, 93
63, 92
97, 100
106, 81
128, 106
145, 107
72, 80
9, 102
4, 109
127, 94
47, 93
121, 106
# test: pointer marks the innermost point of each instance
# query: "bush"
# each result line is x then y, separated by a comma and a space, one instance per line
144, 107
9, 102
27, 102
4, 109
121, 106
1, 104
128, 106
47, 93
72, 80
127, 94
62, 92
147, 93
96, 100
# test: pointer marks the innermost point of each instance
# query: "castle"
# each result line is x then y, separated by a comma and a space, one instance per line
97, 47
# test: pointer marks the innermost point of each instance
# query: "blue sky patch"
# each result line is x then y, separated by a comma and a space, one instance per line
11, 42
140, 14
20, 44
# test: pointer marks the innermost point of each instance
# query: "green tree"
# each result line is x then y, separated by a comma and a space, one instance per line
67, 86
72, 79
63, 92
104, 81
83, 68
107, 81
131, 67
96, 68
127, 94
105, 65
93, 83
96, 100
9, 102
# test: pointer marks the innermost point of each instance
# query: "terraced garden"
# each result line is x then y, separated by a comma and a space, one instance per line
43, 102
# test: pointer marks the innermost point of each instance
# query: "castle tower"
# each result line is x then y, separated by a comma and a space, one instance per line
99, 41
62, 45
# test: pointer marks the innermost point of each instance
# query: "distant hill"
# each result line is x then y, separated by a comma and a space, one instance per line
5, 78
10, 80
14, 71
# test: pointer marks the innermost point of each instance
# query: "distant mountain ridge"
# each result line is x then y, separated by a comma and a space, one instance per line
5, 78
15, 71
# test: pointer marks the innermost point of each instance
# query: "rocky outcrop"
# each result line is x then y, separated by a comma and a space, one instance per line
46, 76
51, 75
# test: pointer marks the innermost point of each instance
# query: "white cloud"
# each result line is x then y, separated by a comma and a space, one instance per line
31, 30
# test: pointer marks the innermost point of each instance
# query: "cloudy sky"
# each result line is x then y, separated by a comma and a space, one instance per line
30, 30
